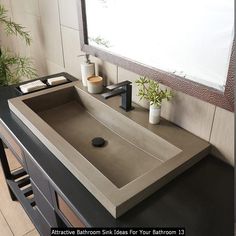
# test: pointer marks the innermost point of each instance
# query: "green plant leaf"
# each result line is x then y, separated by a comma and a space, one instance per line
12, 66
150, 90
13, 28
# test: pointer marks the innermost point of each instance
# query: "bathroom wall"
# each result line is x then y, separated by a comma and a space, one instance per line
54, 28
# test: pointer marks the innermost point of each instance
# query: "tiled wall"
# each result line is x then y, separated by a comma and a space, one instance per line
55, 48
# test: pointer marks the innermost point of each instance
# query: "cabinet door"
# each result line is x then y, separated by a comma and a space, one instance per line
67, 213
38, 176
44, 206
13, 144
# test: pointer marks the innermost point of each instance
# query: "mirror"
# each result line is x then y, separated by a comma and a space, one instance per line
184, 44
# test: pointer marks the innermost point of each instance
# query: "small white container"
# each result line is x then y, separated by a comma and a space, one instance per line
95, 84
154, 114
87, 69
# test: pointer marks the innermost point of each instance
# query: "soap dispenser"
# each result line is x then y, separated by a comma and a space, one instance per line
87, 69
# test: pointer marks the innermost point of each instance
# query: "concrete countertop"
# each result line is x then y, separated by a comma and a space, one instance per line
201, 199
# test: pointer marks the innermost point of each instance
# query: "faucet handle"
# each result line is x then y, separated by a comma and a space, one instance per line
121, 84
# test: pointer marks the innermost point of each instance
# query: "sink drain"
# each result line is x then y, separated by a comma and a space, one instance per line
98, 142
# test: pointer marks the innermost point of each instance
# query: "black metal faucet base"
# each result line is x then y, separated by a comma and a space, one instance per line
127, 109
125, 90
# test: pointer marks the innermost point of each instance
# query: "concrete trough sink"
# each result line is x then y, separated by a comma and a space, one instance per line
136, 158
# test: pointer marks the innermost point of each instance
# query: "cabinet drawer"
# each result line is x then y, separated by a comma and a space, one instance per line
38, 177
44, 206
12, 143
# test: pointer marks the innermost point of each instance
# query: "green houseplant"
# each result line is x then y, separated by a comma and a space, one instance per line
12, 66
150, 90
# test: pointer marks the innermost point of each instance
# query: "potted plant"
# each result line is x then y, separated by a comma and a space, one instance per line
150, 90
12, 66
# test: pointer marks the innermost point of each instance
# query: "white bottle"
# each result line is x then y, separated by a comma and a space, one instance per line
87, 69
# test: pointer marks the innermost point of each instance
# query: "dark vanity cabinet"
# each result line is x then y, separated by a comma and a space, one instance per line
40, 197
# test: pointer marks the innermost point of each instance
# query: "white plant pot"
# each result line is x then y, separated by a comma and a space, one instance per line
154, 114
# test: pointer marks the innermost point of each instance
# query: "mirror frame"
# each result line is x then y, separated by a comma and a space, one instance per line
222, 99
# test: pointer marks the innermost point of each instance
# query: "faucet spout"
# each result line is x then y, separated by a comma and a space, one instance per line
125, 90
113, 93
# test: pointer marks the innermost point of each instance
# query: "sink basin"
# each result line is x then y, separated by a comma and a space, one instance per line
133, 163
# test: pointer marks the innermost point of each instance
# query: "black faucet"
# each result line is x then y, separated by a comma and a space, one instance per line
125, 90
